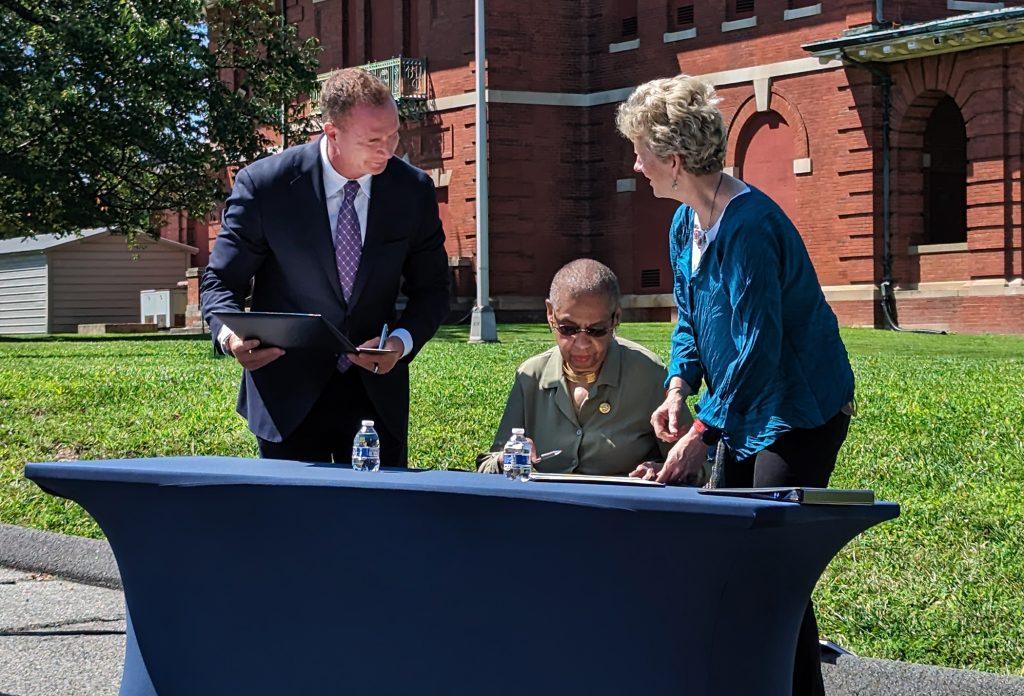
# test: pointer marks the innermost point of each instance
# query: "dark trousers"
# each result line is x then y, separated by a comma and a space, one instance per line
797, 458
327, 432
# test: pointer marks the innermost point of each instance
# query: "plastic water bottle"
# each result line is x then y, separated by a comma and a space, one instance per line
525, 461
510, 454
366, 449
515, 457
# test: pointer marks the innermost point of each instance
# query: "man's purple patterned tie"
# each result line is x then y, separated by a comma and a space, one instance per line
348, 247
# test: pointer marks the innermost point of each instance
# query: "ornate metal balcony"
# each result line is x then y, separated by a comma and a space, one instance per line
407, 78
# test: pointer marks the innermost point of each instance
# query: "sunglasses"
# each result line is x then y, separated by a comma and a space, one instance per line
569, 331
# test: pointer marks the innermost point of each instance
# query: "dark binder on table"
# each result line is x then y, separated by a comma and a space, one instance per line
808, 496
291, 331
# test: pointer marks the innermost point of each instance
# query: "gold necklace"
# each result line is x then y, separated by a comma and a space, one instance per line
578, 377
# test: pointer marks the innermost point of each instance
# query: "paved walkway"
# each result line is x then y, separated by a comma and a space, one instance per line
58, 637
66, 636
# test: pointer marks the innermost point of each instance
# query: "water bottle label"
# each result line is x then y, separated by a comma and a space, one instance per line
510, 463
363, 452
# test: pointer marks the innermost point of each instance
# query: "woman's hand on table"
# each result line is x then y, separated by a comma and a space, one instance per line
684, 462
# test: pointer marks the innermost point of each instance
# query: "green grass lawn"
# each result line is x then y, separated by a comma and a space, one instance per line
940, 431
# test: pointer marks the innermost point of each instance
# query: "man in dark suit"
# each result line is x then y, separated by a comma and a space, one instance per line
335, 227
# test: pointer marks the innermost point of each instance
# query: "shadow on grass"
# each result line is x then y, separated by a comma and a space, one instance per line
460, 332
102, 338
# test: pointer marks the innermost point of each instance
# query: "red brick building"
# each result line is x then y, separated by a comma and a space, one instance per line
807, 90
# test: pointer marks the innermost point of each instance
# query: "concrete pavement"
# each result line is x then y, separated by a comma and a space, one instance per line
853, 676
88, 561
58, 637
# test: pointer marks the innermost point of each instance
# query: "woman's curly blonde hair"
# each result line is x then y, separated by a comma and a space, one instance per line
677, 116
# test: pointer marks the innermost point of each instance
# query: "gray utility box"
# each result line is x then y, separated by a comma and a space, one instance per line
165, 308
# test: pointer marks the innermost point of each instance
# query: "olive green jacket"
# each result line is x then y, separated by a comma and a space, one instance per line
612, 433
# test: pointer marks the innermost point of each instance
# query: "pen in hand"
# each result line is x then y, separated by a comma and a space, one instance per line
380, 346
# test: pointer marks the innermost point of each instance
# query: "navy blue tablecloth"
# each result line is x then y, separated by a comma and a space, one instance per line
272, 577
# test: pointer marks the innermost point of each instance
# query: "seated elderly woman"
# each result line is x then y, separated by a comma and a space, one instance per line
591, 395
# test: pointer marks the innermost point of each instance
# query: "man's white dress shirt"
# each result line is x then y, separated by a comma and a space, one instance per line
334, 185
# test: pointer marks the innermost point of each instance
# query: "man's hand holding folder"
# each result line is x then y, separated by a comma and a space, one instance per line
378, 363
267, 334
248, 353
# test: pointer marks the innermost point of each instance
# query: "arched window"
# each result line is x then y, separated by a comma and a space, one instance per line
945, 175
764, 158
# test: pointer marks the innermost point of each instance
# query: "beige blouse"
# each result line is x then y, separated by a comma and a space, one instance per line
611, 434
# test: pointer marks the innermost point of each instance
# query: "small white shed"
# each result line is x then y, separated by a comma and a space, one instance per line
51, 284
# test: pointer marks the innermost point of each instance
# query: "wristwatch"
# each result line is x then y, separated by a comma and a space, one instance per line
708, 434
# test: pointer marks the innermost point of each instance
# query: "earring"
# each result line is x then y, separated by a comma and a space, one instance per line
675, 182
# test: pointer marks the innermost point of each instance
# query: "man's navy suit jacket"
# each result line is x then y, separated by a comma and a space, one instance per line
275, 235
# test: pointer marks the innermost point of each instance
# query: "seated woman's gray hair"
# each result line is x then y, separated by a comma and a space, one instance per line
584, 277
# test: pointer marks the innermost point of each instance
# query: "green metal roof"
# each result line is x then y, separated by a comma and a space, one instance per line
959, 33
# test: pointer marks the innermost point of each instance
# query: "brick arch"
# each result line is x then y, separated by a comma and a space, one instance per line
909, 117
1013, 262
778, 104
990, 96
912, 107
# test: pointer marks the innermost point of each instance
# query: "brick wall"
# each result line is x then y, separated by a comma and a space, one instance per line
908, 11
553, 169
965, 315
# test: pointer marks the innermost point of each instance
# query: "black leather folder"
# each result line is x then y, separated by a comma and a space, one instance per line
291, 331
801, 494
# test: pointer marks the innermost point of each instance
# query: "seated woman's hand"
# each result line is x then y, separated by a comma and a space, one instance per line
534, 454
648, 471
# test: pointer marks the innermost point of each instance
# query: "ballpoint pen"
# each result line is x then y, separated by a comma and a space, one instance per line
380, 346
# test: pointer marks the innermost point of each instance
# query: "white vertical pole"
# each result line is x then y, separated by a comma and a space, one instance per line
482, 327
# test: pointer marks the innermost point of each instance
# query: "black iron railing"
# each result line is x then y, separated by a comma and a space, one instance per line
407, 78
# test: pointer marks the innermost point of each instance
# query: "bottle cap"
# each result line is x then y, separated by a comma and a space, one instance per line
518, 431
367, 422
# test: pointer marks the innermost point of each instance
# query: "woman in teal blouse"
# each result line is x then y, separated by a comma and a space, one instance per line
753, 323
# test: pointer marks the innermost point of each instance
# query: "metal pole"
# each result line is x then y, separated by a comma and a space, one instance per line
886, 231
284, 105
482, 328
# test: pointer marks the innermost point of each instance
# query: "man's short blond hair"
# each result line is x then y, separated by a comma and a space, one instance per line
677, 116
350, 87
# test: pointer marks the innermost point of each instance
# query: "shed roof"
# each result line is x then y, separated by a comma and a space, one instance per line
43, 242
